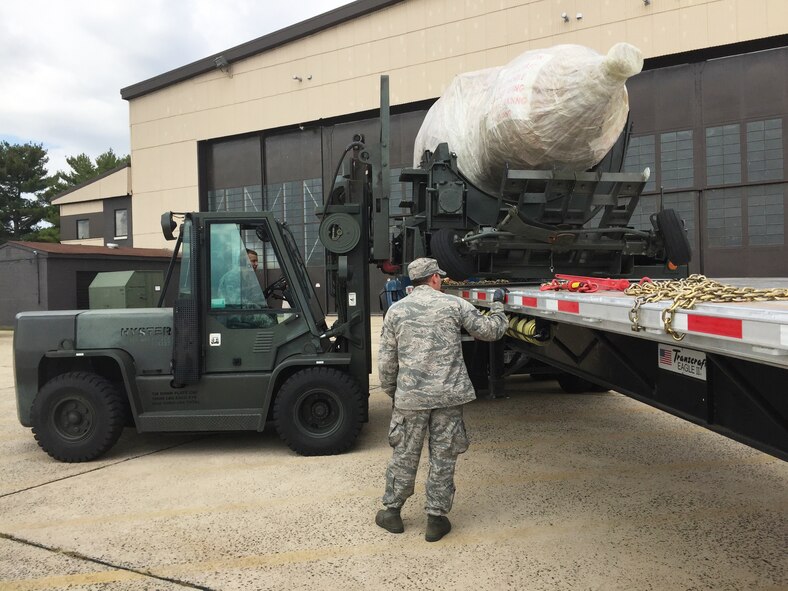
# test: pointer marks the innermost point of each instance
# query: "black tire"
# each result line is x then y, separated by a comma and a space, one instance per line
677, 245
319, 411
458, 266
78, 416
572, 384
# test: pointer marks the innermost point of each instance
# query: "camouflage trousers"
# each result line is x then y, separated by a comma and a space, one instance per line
447, 439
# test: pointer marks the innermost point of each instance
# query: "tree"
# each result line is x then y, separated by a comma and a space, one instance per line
109, 160
23, 179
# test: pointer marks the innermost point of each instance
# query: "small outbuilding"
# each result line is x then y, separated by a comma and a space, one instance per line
46, 276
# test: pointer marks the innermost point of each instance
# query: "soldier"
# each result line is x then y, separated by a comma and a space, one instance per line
421, 367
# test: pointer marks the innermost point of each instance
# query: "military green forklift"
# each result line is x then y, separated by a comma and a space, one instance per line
231, 354
226, 357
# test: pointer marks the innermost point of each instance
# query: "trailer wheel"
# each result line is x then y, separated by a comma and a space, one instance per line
78, 416
572, 384
677, 245
458, 266
318, 411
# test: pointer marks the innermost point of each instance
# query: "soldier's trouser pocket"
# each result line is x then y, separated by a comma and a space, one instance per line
396, 430
460, 442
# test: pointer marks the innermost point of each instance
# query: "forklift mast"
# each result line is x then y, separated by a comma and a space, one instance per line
354, 230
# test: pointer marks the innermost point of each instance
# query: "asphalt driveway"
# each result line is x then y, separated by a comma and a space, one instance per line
558, 491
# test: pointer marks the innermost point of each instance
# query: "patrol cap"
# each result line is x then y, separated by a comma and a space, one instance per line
424, 267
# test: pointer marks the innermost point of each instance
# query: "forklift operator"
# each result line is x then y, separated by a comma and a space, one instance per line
240, 287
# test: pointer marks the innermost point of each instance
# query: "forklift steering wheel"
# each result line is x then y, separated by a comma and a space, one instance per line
276, 289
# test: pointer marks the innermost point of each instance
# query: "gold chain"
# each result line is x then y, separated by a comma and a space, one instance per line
685, 293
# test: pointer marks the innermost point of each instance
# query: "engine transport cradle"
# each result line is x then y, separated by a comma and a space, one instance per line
729, 371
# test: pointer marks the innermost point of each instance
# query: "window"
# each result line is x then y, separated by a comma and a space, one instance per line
640, 155
83, 229
765, 150
236, 292
294, 190
185, 284
234, 281
121, 223
641, 217
295, 202
677, 159
766, 215
724, 223
247, 198
723, 155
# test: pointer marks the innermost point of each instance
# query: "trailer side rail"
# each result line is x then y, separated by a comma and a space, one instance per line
756, 331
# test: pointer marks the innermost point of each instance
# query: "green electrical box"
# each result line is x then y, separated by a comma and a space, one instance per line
126, 289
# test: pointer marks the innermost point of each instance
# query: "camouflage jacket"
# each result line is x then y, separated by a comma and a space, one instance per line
420, 359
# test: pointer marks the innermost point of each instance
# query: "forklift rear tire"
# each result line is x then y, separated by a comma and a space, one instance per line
319, 411
457, 266
677, 245
78, 416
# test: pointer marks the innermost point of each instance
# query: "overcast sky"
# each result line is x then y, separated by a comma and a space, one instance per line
64, 62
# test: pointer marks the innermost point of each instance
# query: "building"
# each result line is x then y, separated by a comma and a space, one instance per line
97, 212
262, 124
43, 276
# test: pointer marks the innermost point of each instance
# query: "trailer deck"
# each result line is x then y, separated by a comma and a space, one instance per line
756, 331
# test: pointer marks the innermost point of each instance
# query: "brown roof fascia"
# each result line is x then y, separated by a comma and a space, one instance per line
71, 250
261, 44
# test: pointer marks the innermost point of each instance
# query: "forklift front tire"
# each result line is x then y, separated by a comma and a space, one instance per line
319, 411
78, 416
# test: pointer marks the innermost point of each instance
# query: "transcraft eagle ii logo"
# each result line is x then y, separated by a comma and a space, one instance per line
684, 361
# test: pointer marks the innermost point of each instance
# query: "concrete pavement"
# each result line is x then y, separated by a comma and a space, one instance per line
558, 491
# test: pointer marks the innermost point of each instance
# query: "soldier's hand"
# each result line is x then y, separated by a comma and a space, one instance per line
499, 295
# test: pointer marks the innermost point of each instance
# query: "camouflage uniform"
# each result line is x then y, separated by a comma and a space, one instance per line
421, 367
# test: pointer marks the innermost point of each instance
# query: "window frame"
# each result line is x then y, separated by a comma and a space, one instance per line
116, 234
79, 222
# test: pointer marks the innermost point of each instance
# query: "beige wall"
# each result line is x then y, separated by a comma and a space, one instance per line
421, 44
86, 242
85, 207
117, 184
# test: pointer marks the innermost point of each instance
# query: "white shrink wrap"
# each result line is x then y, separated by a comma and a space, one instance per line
560, 108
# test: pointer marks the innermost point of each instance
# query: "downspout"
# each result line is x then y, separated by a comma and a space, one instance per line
38, 277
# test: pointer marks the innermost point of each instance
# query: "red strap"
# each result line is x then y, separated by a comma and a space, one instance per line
553, 285
578, 286
597, 282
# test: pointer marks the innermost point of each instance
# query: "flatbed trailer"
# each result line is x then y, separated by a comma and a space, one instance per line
729, 371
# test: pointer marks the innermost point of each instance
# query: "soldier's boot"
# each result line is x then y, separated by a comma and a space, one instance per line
390, 520
437, 527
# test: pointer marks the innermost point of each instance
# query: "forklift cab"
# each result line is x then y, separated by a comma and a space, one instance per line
231, 315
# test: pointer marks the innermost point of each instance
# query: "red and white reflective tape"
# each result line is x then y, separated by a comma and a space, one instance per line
524, 301
732, 328
735, 324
